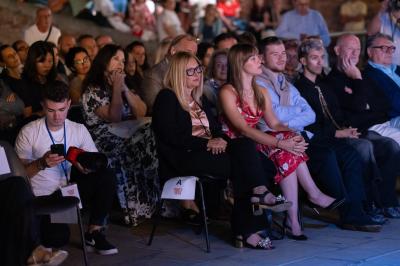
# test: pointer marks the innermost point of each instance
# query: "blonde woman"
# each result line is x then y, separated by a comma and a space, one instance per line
190, 142
243, 105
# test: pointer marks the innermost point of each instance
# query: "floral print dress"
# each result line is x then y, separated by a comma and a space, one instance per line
133, 159
284, 161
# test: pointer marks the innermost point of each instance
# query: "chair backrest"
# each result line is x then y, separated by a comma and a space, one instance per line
165, 167
16, 166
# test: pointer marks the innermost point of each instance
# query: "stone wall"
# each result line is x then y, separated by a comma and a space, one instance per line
14, 18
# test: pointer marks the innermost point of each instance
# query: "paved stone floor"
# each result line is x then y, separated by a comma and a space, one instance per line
177, 244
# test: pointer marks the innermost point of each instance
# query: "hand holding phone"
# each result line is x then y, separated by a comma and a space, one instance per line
57, 149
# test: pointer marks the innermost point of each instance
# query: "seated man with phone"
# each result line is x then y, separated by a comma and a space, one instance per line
42, 146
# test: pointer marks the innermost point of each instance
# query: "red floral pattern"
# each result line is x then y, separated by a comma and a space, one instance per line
285, 162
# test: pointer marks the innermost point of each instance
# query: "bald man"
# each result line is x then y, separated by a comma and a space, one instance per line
366, 108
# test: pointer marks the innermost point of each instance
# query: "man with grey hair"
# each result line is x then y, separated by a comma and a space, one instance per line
43, 29
383, 73
386, 21
366, 108
153, 77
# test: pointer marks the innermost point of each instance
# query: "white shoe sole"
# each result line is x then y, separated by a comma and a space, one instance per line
102, 252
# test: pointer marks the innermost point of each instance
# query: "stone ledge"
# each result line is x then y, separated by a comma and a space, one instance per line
15, 17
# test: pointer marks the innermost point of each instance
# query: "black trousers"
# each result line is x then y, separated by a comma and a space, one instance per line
19, 233
200, 163
249, 169
387, 155
337, 170
97, 191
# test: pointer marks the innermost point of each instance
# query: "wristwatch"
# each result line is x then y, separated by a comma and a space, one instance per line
41, 164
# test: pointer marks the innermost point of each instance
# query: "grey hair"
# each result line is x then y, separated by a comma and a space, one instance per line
307, 45
371, 39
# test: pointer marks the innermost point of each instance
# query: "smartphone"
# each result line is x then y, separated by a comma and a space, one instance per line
57, 149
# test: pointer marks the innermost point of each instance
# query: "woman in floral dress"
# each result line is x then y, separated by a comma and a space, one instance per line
106, 102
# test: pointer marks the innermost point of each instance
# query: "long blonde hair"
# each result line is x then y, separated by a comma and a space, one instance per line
237, 57
175, 78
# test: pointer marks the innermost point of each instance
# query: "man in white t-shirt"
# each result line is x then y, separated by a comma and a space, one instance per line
49, 171
43, 29
168, 23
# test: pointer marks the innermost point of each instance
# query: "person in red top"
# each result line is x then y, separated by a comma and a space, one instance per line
229, 11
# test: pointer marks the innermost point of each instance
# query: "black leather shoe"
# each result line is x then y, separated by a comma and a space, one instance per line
363, 228
391, 212
336, 204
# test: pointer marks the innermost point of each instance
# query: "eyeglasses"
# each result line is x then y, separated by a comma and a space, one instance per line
190, 71
82, 61
386, 49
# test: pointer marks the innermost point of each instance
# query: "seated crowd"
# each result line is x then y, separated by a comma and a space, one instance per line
237, 108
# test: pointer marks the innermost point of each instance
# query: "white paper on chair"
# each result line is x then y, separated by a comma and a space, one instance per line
68, 216
126, 129
4, 166
180, 188
71, 191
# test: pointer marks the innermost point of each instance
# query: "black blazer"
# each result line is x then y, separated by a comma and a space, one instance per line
172, 127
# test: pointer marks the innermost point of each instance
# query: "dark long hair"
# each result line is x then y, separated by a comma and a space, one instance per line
95, 77
37, 53
129, 49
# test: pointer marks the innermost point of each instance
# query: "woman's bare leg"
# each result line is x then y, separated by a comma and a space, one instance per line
289, 188
315, 195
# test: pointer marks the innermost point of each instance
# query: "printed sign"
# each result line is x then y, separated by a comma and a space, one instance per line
180, 188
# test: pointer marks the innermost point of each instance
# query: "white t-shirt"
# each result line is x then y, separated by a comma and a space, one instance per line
170, 19
32, 34
33, 142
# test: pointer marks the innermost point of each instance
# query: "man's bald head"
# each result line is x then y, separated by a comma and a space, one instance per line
348, 47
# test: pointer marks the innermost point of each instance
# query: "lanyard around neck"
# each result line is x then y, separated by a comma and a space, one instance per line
63, 164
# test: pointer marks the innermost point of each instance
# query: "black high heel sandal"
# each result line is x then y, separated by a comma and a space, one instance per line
264, 243
289, 234
280, 204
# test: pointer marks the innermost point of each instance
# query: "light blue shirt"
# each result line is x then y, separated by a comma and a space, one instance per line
390, 71
390, 28
297, 115
293, 24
